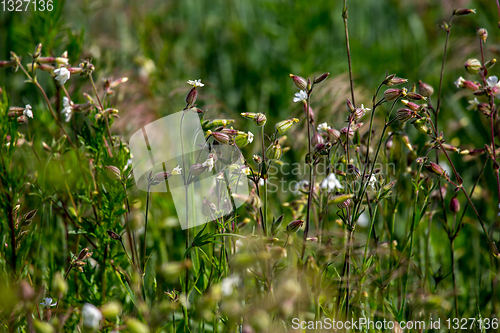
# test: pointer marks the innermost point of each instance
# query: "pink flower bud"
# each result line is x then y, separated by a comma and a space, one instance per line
299, 81
425, 89
454, 205
191, 96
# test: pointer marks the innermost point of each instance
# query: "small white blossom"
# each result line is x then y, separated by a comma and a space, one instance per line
323, 127
246, 171
261, 181
473, 104
372, 181
227, 285
460, 82
91, 316
195, 83
47, 302
250, 137
492, 82
62, 75
300, 96
363, 107
67, 110
209, 163
330, 183
27, 111
177, 170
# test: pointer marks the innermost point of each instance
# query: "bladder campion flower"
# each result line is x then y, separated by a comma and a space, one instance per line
62, 75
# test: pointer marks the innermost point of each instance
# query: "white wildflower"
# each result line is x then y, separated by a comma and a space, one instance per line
177, 170
246, 171
27, 111
250, 137
67, 110
372, 181
363, 107
227, 285
47, 302
323, 127
460, 82
91, 316
62, 75
195, 83
473, 104
330, 183
300, 96
492, 82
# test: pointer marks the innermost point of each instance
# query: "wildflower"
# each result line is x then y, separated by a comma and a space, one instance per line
246, 171
323, 127
300, 96
360, 112
227, 285
67, 110
242, 139
195, 83
91, 316
27, 111
209, 163
460, 82
493, 83
473, 104
330, 183
47, 302
177, 170
62, 75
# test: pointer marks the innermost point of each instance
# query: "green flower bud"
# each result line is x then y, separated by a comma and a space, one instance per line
294, 226
113, 172
111, 310
43, 327
260, 119
473, 66
284, 126
403, 115
135, 326
242, 139
274, 151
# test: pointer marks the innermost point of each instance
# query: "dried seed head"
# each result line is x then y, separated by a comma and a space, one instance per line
482, 34
425, 89
454, 205
299, 81
114, 235
260, 119
473, 66
294, 226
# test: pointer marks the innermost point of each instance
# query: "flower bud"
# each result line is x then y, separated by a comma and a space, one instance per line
394, 81
220, 137
43, 327
242, 139
317, 139
420, 126
344, 204
490, 63
38, 52
387, 188
310, 114
392, 94
403, 115
294, 226
349, 105
436, 168
260, 119
454, 205
59, 284
425, 89
114, 235
412, 106
197, 169
111, 310
135, 326
113, 172
482, 34
257, 159
248, 115
464, 11
284, 126
352, 172
346, 132
321, 78
274, 151
333, 135
191, 96
84, 254
472, 66
359, 113
299, 81
415, 97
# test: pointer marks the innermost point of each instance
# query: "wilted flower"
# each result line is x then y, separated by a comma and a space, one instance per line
330, 183
300, 96
195, 83
47, 302
460, 82
27, 111
323, 127
62, 75
67, 109
209, 163
91, 316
